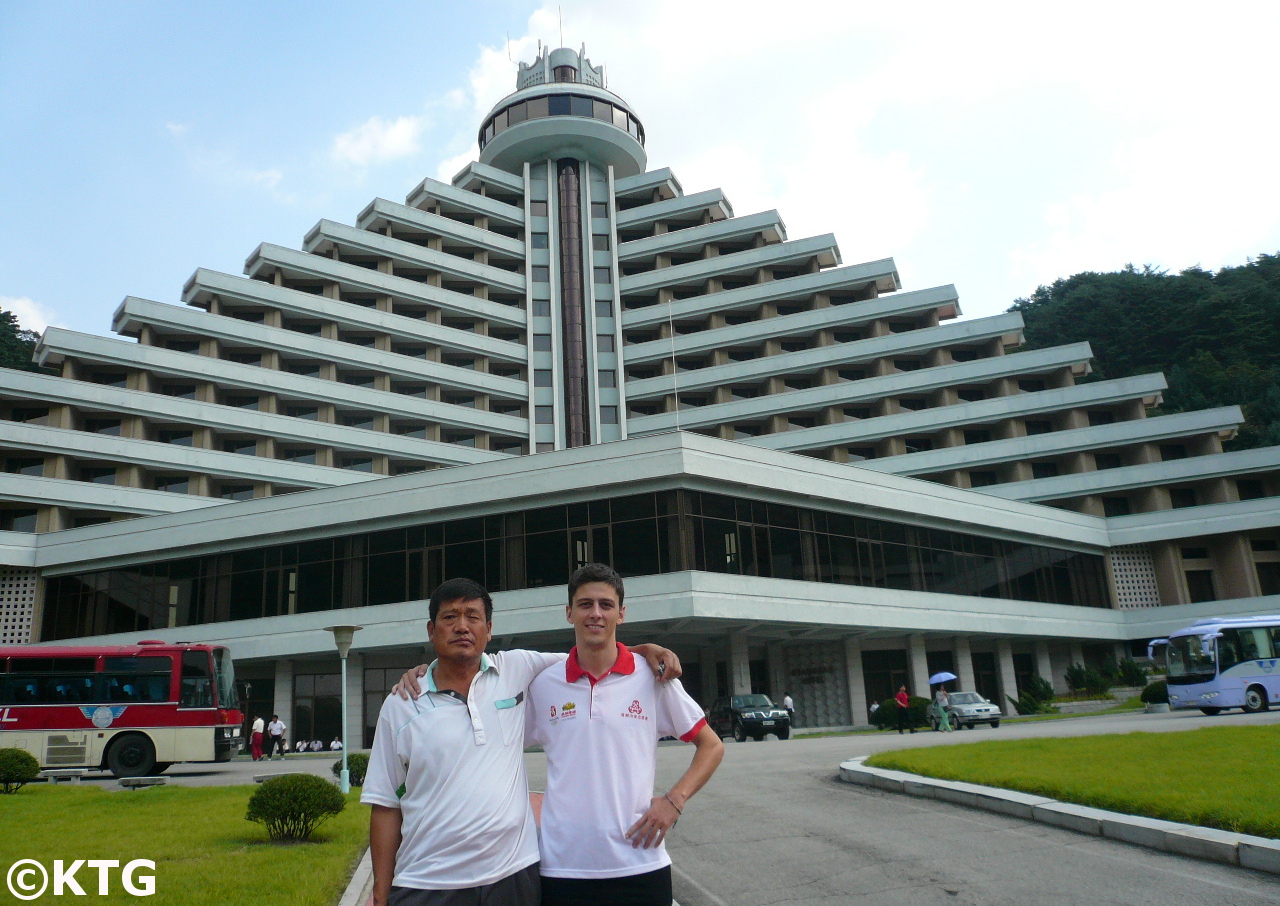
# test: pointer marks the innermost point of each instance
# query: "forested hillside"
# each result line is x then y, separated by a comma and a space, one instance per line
1216, 336
16, 343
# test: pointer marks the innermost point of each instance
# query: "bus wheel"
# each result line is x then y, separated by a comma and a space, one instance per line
1255, 699
131, 755
159, 768
1211, 711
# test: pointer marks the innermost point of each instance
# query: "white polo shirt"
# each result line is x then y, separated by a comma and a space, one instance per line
601, 738
465, 803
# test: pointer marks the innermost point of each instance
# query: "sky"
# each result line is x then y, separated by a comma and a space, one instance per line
993, 146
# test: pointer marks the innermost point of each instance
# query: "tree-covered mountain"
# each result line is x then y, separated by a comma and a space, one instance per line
1216, 336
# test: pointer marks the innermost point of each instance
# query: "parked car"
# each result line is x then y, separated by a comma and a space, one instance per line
741, 716
967, 709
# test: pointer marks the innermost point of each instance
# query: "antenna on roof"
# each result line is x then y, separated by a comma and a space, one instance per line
560, 13
509, 47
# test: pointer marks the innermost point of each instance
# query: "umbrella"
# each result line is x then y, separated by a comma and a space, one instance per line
943, 677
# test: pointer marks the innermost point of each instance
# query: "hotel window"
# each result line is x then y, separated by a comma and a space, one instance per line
103, 426
25, 466
174, 484
599, 210
537, 209
604, 308
540, 240
358, 421
241, 446
98, 474
1044, 469
544, 415
542, 308
608, 415
308, 412
1115, 506
1172, 451
604, 342
18, 520
1107, 461
1250, 488
177, 438
540, 274
982, 479
1039, 427
1181, 498
608, 379
357, 463
542, 377
600, 242
977, 437
602, 275
236, 492
1200, 585
541, 342
301, 454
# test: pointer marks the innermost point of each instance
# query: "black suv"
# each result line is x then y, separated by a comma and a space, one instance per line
741, 716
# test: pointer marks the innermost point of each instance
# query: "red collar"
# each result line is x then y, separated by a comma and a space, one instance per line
625, 664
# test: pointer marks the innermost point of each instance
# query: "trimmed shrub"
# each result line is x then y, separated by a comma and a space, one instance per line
293, 805
1035, 696
1088, 680
886, 716
357, 765
1130, 673
1156, 693
18, 767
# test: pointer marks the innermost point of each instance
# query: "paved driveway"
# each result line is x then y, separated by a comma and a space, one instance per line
775, 826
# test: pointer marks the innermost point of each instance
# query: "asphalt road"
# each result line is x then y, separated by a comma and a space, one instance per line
776, 826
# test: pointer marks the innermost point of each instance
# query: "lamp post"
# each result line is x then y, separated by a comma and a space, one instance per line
342, 636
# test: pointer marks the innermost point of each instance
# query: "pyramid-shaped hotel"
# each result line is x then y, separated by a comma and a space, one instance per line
813, 479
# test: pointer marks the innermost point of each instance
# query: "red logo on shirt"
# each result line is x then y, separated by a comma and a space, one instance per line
553, 712
635, 712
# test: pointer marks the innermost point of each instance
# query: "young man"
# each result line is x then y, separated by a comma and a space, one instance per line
599, 720
450, 818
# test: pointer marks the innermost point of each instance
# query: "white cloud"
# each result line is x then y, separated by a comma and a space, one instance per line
30, 314
177, 130
378, 140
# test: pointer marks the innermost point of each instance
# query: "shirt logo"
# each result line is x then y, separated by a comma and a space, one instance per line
566, 711
635, 712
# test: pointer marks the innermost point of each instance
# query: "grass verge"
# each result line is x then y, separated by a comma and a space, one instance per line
204, 849
1221, 777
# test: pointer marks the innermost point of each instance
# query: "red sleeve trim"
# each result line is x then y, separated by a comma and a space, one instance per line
697, 728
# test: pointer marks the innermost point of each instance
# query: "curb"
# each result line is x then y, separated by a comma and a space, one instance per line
1243, 850
360, 890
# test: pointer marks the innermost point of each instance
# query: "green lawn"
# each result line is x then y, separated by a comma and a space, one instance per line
204, 849
1222, 777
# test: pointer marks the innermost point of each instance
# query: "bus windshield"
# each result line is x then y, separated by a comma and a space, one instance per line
225, 675
1188, 662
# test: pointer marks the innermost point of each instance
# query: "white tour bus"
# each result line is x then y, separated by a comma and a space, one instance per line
1222, 663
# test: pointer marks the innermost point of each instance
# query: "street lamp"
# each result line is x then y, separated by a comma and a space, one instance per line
342, 636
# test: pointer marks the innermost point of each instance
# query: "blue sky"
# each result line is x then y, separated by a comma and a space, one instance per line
992, 146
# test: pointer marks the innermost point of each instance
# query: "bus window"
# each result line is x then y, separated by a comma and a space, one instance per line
143, 679
197, 680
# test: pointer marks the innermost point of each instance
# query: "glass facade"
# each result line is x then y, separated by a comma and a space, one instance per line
644, 534
560, 105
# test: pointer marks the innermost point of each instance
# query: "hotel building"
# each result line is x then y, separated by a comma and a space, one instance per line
813, 479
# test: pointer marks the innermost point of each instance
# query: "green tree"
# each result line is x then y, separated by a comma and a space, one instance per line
16, 344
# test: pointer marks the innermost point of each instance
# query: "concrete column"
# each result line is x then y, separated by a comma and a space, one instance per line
1044, 665
857, 686
355, 701
964, 663
283, 704
710, 681
918, 662
1077, 654
1008, 679
739, 665
777, 662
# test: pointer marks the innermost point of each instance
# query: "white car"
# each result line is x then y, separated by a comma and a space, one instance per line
967, 709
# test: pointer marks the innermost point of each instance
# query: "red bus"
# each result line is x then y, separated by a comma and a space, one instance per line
132, 710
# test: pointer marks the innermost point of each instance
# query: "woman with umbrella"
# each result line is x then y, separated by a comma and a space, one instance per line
942, 700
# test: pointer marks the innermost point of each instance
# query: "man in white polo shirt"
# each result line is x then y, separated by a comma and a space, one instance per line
599, 720
450, 821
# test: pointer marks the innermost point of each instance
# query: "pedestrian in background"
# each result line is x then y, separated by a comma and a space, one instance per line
255, 739
903, 701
